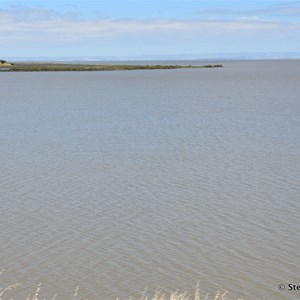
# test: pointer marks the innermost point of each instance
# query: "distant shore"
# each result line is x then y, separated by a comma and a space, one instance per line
46, 67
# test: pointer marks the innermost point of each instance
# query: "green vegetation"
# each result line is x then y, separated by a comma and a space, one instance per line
45, 67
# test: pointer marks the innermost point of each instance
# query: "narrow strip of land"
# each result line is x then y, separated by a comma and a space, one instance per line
45, 67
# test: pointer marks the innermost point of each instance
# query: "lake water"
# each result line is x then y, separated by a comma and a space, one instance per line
117, 181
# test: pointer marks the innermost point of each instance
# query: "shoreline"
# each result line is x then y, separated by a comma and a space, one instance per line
50, 67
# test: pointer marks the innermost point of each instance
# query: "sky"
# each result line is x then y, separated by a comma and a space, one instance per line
145, 28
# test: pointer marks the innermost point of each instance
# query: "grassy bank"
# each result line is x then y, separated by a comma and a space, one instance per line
46, 67
6, 65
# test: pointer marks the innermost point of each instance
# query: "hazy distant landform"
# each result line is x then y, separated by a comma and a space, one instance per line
167, 57
37, 67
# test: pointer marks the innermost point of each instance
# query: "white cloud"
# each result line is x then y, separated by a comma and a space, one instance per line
47, 24
31, 32
287, 10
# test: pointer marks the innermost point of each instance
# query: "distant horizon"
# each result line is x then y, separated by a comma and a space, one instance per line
183, 57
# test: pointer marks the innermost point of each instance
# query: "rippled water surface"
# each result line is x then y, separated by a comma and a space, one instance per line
114, 181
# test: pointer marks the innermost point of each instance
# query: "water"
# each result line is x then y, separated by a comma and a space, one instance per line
114, 181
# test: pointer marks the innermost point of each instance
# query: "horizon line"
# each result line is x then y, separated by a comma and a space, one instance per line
216, 56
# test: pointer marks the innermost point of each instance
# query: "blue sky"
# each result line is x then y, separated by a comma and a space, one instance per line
87, 28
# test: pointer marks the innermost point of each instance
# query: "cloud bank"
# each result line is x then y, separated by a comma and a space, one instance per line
21, 26
39, 22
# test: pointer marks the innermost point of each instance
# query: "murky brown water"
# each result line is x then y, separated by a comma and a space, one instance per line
114, 181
